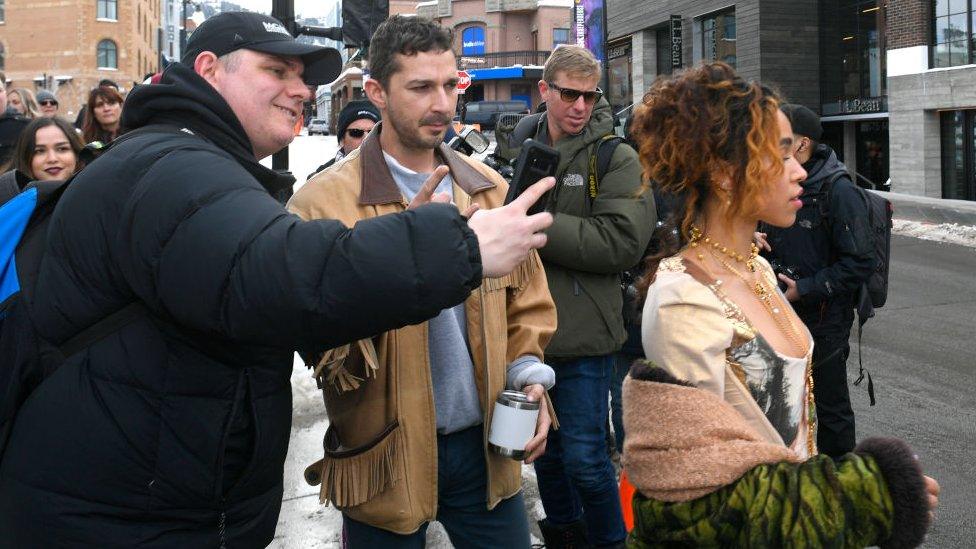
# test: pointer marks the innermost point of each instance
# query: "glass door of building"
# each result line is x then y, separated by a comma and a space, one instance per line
872, 153
958, 150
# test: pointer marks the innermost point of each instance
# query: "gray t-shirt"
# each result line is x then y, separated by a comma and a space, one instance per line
451, 369
456, 400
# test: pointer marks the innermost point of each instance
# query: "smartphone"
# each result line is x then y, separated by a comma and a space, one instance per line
536, 161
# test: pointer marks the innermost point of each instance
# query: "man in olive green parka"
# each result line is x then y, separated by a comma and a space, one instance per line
601, 228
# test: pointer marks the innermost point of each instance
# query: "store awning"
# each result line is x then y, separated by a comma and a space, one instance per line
505, 73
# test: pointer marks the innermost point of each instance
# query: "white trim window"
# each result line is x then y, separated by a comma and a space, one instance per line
107, 10
108, 55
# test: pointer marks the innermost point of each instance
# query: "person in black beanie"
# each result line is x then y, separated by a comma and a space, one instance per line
822, 260
356, 120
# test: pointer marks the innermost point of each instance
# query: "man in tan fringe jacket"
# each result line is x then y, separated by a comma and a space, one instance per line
409, 409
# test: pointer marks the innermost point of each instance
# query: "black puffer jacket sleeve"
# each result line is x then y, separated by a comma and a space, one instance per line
224, 258
850, 237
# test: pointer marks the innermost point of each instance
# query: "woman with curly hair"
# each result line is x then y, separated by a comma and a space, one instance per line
102, 115
720, 422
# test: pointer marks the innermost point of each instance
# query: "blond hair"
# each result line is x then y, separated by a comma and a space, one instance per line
573, 60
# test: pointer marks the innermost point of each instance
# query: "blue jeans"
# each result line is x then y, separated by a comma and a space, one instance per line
621, 367
462, 506
576, 478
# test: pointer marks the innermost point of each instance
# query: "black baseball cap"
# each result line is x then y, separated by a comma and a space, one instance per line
804, 121
230, 31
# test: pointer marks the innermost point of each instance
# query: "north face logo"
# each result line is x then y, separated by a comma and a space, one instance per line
573, 180
275, 27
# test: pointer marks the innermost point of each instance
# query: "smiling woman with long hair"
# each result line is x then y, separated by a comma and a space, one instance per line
48, 149
721, 422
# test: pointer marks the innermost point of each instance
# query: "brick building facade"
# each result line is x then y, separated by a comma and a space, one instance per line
68, 46
503, 43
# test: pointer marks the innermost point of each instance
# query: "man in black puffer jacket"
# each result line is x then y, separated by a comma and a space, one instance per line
824, 259
172, 431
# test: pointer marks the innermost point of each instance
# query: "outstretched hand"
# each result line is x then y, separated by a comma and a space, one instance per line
507, 234
426, 194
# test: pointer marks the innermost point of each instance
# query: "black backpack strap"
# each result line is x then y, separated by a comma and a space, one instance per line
525, 129
604, 154
600, 162
860, 354
862, 317
104, 327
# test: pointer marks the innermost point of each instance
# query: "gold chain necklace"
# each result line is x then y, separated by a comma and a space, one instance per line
784, 321
764, 295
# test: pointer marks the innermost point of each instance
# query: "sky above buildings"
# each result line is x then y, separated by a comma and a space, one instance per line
304, 8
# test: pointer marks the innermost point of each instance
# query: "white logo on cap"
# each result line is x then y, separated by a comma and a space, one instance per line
275, 27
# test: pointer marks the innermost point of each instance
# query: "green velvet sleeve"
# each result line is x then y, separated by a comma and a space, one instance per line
817, 503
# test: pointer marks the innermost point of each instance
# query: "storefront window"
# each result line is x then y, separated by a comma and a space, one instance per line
853, 61
620, 63
958, 137
951, 35
718, 37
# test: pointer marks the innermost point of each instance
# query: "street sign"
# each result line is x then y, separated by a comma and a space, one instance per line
464, 81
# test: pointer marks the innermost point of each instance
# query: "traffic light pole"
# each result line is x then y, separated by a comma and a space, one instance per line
284, 11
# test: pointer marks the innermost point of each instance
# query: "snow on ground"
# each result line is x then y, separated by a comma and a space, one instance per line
952, 233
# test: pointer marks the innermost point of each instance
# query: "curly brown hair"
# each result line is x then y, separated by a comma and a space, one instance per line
698, 122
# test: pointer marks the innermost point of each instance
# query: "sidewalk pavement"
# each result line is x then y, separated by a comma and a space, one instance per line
935, 211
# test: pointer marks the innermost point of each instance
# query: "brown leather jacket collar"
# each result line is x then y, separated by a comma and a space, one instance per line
378, 186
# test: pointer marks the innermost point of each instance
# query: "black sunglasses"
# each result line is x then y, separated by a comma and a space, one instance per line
48, 102
570, 95
356, 132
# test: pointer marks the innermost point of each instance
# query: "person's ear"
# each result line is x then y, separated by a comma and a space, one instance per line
543, 87
376, 94
804, 143
206, 65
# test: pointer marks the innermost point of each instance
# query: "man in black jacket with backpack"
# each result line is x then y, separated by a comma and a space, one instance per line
823, 261
171, 429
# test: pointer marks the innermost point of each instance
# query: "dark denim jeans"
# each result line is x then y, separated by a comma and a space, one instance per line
461, 504
576, 478
621, 367
835, 417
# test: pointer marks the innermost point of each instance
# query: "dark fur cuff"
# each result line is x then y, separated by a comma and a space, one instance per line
645, 370
903, 475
